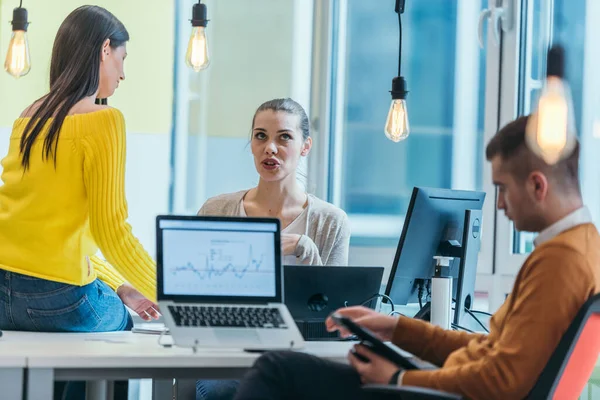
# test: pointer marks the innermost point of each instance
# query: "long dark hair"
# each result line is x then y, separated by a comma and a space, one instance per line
74, 73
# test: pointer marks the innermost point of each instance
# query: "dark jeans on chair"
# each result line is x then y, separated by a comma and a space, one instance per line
299, 376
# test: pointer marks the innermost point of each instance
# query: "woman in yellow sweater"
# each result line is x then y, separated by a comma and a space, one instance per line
63, 195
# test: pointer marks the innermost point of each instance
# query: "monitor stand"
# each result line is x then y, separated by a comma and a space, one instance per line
467, 251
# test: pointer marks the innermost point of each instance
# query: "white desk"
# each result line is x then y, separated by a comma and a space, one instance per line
124, 355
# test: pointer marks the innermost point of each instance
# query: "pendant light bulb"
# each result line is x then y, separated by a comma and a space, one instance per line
396, 126
550, 131
18, 61
197, 51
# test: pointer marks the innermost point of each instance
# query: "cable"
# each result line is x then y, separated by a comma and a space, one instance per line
457, 327
420, 293
482, 312
399, 9
160, 343
391, 314
400, 43
21, 4
377, 295
477, 319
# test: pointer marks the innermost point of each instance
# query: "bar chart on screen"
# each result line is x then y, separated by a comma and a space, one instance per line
217, 263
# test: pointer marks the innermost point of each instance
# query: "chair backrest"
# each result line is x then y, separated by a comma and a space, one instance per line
573, 361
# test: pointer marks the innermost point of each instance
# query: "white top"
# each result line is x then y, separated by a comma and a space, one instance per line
578, 217
298, 226
328, 230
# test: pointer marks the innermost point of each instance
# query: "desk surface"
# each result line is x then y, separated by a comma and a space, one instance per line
12, 361
129, 350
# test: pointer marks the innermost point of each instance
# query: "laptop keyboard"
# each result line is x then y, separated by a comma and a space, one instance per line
227, 317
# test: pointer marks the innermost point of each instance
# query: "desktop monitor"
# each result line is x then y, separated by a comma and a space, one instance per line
439, 222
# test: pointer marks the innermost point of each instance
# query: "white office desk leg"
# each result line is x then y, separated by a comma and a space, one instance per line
40, 384
11, 383
99, 390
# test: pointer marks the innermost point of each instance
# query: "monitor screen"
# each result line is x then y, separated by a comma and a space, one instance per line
218, 258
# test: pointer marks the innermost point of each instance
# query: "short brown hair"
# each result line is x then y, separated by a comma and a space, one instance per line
509, 144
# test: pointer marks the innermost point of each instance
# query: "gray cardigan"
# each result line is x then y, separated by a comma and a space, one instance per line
327, 237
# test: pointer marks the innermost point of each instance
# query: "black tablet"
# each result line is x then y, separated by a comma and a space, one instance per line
369, 339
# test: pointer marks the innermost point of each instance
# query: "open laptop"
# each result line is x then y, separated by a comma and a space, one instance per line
312, 293
220, 283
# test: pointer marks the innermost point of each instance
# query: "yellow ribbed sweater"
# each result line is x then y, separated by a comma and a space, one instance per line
54, 219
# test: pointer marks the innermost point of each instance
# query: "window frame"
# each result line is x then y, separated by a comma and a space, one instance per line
329, 68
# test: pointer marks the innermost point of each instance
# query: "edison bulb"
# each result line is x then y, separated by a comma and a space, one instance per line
396, 127
550, 131
197, 51
18, 62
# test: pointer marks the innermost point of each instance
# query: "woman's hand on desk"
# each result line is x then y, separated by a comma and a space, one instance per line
380, 324
137, 302
289, 242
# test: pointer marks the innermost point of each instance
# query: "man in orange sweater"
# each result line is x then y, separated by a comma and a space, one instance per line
554, 282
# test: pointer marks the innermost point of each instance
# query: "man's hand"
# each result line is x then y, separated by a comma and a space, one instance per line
289, 241
376, 370
380, 324
137, 302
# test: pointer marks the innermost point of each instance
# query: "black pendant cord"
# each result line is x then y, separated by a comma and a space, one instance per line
21, 4
399, 10
400, 44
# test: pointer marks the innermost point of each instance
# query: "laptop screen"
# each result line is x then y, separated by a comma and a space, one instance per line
218, 258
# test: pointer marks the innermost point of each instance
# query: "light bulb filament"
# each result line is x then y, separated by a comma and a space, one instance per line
396, 127
197, 52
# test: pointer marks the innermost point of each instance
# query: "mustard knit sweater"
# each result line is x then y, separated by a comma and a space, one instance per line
552, 285
53, 219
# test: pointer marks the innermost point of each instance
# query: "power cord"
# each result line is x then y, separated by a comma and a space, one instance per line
482, 312
458, 327
160, 342
420, 293
477, 320
391, 314
375, 296
472, 314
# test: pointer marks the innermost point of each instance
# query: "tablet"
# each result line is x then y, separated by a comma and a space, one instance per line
369, 339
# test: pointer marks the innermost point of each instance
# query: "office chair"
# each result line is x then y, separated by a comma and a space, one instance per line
572, 363
564, 377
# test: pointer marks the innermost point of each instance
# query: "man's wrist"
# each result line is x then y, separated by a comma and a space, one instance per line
395, 377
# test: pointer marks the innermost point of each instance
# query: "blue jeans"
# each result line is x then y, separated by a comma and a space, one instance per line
32, 304
216, 389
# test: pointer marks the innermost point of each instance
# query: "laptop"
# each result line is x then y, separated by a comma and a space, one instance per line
220, 283
312, 293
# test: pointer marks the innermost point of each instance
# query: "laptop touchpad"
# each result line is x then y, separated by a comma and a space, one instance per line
228, 336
